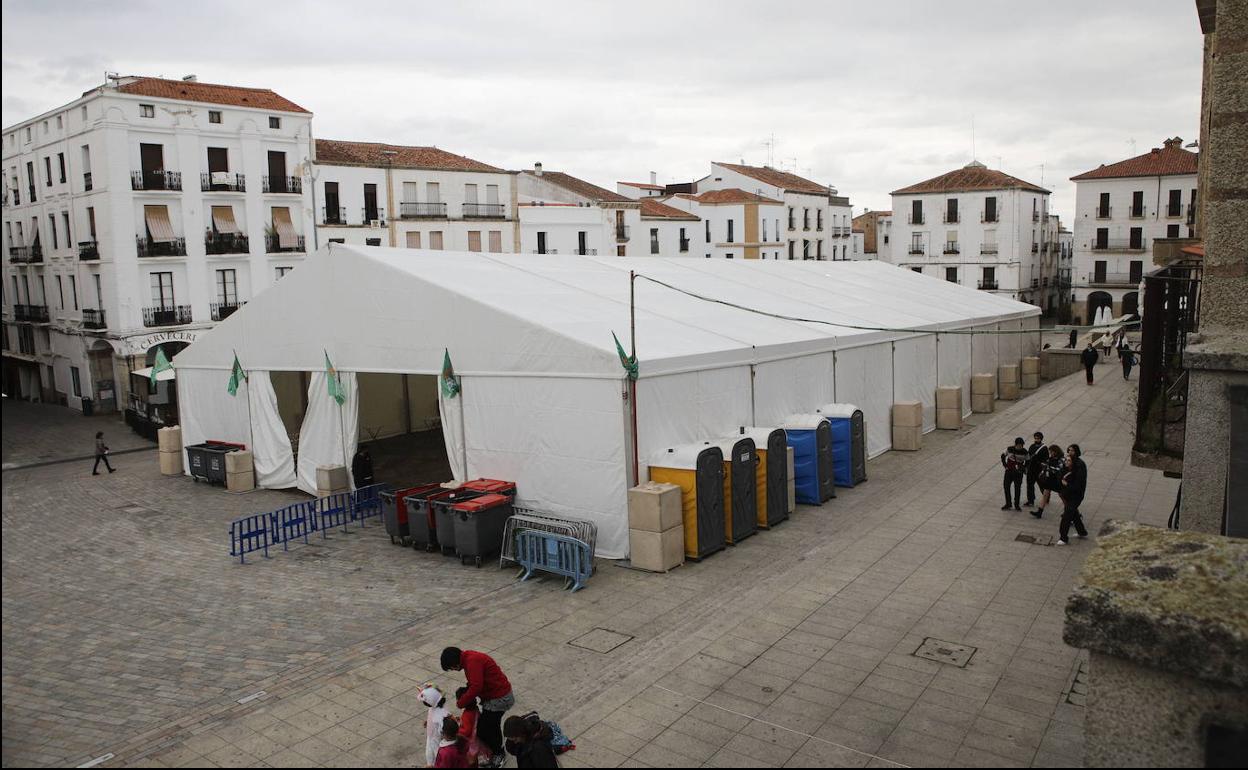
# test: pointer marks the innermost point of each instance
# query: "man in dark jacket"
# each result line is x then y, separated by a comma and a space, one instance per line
1014, 460
1074, 337
1074, 486
1089, 358
487, 682
1037, 453
1128, 360
362, 467
528, 740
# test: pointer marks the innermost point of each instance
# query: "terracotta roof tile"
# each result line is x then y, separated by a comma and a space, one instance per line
778, 178
975, 176
581, 187
732, 195
339, 153
1168, 160
651, 208
210, 93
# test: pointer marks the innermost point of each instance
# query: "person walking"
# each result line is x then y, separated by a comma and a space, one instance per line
1074, 338
1014, 460
1128, 360
1051, 472
101, 454
1037, 453
1074, 487
487, 682
1089, 358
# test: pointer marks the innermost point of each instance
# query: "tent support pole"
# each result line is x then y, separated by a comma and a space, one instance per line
463, 432
632, 383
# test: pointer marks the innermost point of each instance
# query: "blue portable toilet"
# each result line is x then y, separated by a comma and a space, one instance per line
810, 435
849, 443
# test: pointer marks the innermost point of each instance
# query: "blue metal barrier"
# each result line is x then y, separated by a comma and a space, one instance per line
366, 501
556, 554
333, 511
293, 522
249, 534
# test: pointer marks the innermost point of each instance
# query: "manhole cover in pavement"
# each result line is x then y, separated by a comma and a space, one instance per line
1023, 537
600, 640
945, 652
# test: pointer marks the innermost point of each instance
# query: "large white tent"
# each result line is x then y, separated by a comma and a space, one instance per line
544, 397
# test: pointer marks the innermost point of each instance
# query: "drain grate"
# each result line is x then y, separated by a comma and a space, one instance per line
601, 640
945, 652
1024, 537
1077, 695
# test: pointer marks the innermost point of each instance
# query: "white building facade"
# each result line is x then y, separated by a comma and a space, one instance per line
669, 231
1119, 210
561, 214
137, 216
415, 197
976, 227
735, 224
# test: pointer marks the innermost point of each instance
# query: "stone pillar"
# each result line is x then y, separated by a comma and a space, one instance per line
1163, 615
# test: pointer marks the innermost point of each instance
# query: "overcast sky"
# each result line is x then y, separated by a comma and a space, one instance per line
867, 97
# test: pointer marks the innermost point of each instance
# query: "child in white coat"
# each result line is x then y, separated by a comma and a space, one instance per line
433, 698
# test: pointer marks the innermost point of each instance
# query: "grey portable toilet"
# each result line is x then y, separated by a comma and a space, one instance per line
772, 447
849, 439
698, 470
740, 487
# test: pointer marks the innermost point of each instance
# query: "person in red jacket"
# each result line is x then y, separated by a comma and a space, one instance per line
453, 749
488, 684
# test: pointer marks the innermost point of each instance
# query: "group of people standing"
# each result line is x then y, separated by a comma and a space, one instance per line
1126, 354
1048, 469
478, 737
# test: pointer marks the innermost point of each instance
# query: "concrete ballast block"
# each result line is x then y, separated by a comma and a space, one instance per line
949, 419
657, 551
171, 463
949, 397
908, 414
1007, 373
332, 477
239, 462
240, 482
654, 507
1010, 391
1031, 380
1029, 365
908, 438
170, 439
982, 403
983, 385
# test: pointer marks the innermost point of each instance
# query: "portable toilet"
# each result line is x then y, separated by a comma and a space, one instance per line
740, 487
810, 435
698, 469
772, 448
849, 443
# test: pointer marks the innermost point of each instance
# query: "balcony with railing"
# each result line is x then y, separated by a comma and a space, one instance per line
1104, 212
273, 245
148, 247
282, 184
167, 315
579, 252
93, 318
1035, 283
88, 250
222, 182
156, 180
333, 215
223, 310
621, 233
1118, 244
951, 218
87, 184
988, 248
992, 285
918, 248
226, 243
26, 255
989, 218
1171, 311
484, 211
1035, 248
422, 210
1035, 216
368, 215
1137, 212
806, 222
916, 219
951, 247
684, 245
1112, 280
37, 314
1191, 214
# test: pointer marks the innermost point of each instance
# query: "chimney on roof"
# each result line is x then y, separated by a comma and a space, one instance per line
537, 169
190, 78
1175, 142
654, 178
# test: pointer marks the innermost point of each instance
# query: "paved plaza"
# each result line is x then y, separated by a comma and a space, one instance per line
129, 632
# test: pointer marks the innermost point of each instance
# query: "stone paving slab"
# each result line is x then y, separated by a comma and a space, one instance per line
136, 635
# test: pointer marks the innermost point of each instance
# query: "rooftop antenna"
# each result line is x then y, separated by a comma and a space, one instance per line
1041, 174
999, 164
1132, 143
973, 156
770, 144
793, 160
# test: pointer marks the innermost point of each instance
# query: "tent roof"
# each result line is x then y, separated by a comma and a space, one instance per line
378, 309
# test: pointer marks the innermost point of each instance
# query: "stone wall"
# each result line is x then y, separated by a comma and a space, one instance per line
1056, 363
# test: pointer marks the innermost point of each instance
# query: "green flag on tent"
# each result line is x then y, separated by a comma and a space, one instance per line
628, 362
162, 364
336, 391
450, 383
237, 376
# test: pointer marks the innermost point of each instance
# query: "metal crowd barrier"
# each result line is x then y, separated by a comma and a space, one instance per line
250, 534
296, 521
556, 554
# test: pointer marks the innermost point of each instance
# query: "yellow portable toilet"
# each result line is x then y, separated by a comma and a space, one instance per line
698, 469
740, 487
771, 446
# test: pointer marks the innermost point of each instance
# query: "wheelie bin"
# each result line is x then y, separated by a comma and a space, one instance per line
444, 517
395, 513
479, 524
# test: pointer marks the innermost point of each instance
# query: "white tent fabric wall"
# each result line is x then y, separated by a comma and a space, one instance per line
864, 377
984, 351
954, 359
694, 406
330, 432
209, 412
793, 386
451, 411
915, 376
